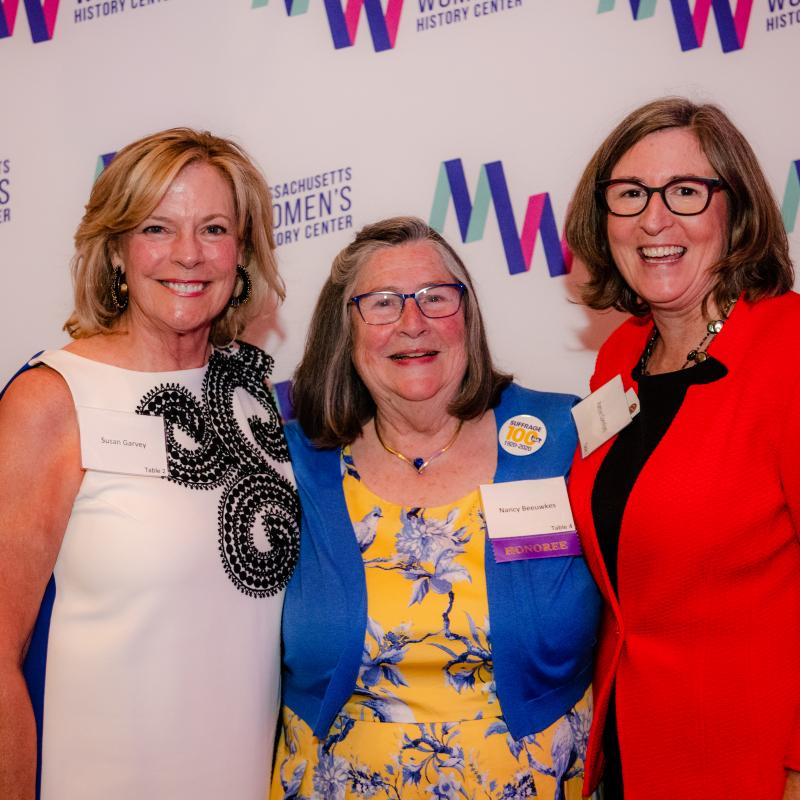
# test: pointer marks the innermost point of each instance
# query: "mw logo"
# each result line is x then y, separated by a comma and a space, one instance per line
472, 215
691, 25
41, 18
791, 197
343, 20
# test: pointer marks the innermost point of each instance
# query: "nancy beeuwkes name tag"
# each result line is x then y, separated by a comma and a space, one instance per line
118, 441
529, 519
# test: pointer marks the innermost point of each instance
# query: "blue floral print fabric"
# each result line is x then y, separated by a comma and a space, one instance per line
424, 720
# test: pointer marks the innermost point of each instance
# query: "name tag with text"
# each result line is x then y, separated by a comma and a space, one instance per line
529, 519
118, 441
604, 414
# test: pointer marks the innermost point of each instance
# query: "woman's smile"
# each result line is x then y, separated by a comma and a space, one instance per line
185, 288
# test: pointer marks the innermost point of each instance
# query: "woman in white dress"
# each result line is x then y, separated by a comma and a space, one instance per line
150, 519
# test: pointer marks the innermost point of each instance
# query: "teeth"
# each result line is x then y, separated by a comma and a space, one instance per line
183, 288
661, 252
412, 355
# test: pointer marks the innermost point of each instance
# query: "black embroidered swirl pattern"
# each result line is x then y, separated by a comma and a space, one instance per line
259, 513
209, 462
252, 366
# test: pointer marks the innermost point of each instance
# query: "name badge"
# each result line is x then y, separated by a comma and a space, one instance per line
117, 441
604, 414
529, 519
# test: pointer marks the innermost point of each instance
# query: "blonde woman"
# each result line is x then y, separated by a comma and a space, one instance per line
150, 516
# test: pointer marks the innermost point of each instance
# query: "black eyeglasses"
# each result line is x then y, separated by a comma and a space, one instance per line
683, 196
436, 301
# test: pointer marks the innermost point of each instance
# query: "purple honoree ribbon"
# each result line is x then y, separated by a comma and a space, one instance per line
542, 545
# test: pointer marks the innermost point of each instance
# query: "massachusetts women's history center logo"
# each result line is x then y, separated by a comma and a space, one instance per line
383, 16
311, 206
492, 189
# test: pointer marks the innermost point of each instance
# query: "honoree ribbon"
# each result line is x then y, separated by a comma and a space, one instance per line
543, 545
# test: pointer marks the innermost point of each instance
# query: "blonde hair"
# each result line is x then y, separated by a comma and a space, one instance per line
127, 192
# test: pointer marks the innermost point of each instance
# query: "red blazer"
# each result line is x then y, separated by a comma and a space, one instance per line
704, 637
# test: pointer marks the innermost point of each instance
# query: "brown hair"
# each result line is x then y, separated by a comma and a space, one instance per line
331, 402
756, 262
127, 192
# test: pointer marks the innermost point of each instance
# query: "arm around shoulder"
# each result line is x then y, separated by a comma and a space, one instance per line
40, 475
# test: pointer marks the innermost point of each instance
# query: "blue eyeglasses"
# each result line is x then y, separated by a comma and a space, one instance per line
435, 302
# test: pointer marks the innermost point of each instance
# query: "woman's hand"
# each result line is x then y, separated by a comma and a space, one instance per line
792, 789
40, 474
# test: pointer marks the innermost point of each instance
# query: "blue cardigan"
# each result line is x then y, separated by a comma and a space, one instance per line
543, 612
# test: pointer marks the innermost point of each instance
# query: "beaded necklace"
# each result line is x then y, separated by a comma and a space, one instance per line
696, 355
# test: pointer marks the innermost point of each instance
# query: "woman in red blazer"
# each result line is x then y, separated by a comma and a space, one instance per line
689, 516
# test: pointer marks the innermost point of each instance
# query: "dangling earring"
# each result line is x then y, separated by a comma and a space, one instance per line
244, 294
119, 290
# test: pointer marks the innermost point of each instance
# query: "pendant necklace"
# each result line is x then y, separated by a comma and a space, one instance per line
697, 354
418, 463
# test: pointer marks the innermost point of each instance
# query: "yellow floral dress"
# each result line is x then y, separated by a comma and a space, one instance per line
424, 720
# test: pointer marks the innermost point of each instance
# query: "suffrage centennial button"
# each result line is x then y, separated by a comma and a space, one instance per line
522, 435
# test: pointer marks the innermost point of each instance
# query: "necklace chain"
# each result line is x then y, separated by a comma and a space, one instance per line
418, 463
697, 354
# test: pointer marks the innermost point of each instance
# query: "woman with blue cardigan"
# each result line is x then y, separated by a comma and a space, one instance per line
418, 663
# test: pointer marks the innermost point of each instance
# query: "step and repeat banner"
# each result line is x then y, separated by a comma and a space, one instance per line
477, 115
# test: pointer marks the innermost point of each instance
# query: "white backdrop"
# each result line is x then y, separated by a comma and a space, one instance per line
533, 84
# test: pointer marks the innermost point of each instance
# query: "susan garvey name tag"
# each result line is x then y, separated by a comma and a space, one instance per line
529, 519
118, 441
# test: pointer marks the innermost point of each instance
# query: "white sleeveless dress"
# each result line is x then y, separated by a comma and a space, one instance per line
155, 664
